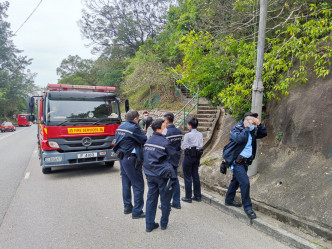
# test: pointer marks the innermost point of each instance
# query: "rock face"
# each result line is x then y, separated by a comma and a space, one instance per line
303, 120
295, 159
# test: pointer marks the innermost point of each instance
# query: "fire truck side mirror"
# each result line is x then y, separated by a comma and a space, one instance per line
30, 118
127, 105
31, 105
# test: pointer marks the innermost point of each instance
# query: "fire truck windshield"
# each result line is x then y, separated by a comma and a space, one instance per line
82, 110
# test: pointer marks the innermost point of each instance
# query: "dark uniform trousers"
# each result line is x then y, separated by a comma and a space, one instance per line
191, 177
240, 178
176, 191
132, 177
157, 186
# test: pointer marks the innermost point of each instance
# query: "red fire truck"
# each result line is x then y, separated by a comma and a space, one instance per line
22, 121
76, 125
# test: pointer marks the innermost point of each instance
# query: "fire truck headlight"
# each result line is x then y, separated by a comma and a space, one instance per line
53, 159
53, 144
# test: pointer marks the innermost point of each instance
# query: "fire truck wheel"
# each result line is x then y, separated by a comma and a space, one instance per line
46, 170
109, 164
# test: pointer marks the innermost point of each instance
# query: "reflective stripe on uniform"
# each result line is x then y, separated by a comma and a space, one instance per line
125, 131
174, 136
156, 146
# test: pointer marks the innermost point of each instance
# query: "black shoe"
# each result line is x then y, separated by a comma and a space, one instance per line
128, 209
251, 214
197, 198
159, 206
156, 225
185, 199
142, 215
163, 228
233, 203
175, 206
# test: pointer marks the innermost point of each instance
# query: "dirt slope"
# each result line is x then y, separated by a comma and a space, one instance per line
297, 152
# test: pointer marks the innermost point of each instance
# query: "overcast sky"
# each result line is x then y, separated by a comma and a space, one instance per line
49, 36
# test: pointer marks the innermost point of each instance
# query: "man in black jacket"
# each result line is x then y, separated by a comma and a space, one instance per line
240, 152
174, 136
129, 141
160, 176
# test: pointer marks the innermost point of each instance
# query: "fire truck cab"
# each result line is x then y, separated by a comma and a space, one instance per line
76, 125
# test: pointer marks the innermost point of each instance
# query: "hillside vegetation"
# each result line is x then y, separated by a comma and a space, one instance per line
206, 44
146, 47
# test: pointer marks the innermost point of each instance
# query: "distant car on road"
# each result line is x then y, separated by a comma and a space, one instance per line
7, 126
22, 120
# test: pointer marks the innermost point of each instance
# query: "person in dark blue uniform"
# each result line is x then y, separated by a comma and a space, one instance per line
174, 136
192, 145
160, 176
130, 139
240, 152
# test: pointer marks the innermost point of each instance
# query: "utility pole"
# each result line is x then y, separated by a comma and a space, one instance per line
258, 88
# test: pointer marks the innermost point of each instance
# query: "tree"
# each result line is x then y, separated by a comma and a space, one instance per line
223, 68
126, 24
103, 72
109, 71
76, 71
16, 82
72, 65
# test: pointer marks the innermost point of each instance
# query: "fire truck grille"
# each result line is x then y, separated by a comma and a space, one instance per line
86, 160
84, 143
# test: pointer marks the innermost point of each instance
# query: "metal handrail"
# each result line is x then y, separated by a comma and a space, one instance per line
184, 109
187, 89
185, 106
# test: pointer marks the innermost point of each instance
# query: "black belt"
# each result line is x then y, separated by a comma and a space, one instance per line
193, 152
243, 160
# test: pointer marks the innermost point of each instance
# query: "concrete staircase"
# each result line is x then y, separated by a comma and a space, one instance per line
185, 92
206, 116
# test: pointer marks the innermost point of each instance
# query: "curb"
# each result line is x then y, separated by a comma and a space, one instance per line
259, 224
310, 228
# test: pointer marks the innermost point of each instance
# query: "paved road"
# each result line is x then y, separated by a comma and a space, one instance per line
15, 152
82, 208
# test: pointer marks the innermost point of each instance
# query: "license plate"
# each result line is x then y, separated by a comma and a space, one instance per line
87, 155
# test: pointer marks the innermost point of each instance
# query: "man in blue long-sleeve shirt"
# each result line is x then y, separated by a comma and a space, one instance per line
129, 141
192, 145
240, 152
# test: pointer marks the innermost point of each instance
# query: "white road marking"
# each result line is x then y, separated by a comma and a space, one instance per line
27, 175
13, 133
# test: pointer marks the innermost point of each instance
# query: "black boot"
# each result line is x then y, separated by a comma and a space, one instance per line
128, 209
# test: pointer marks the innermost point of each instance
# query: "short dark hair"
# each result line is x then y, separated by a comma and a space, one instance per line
193, 122
251, 114
169, 116
148, 122
131, 115
145, 112
156, 124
